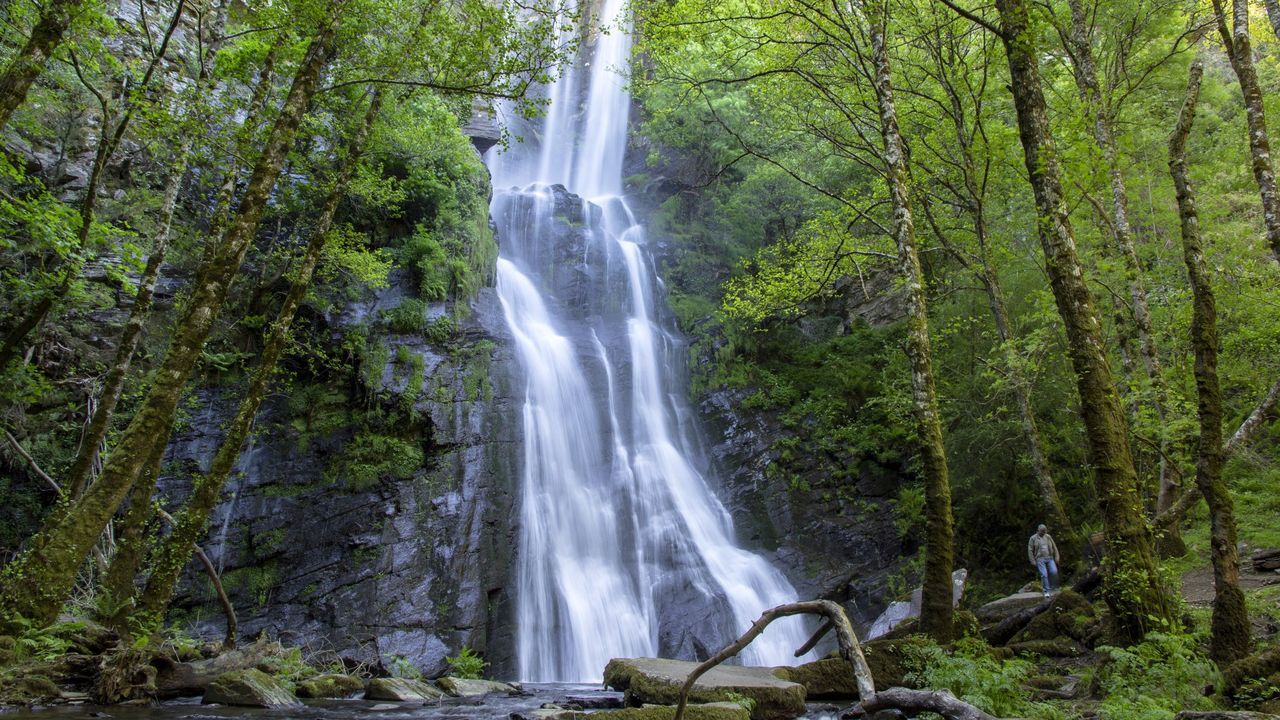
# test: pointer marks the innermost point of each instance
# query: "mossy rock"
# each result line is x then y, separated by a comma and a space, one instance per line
1255, 667
658, 681
249, 688
401, 690
469, 687
703, 711
1069, 615
27, 689
829, 678
8, 642
330, 685
887, 657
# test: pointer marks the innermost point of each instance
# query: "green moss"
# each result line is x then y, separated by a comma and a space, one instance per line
407, 318
330, 685
257, 582
371, 458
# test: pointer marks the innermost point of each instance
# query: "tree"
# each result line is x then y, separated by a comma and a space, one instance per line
936, 599
1133, 588
192, 522
36, 583
827, 72
1231, 638
29, 62
1235, 38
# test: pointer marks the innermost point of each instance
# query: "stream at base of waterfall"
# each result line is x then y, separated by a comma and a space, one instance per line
625, 551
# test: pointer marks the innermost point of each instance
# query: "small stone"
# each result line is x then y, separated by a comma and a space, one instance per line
385, 706
249, 688
401, 690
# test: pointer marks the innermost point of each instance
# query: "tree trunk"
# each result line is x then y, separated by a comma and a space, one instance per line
1240, 52
36, 584
1099, 117
192, 522
131, 537
27, 65
91, 442
1137, 598
1273, 14
1230, 639
936, 603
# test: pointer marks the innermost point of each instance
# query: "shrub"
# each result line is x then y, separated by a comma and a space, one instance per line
466, 664
1155, 679
407, 318
975, 676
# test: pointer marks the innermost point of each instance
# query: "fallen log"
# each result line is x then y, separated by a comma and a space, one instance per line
911, 702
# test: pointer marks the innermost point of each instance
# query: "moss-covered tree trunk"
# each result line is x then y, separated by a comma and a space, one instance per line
936, 601
130, 547
1098, 115
1230, 638
1133, 590
113, 385
1240, 51
36, 584
192, 522
1273, 14
27, 64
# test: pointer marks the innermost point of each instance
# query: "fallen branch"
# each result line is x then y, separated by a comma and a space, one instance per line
913, 701
850, 650
31, 462
910, 701
228, 640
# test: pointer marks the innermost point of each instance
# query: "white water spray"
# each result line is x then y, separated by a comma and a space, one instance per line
624, 549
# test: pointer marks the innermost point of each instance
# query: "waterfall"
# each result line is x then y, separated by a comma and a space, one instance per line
625, 550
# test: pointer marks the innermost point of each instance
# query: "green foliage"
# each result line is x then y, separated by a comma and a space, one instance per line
371, 458
743, 701
975, 676
409, 317
1155, 679
402, 667
289, 668
43, 644
466, 664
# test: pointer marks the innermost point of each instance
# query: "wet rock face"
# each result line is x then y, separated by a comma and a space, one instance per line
415, 567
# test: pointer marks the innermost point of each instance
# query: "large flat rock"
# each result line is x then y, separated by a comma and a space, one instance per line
658, 681
999, 609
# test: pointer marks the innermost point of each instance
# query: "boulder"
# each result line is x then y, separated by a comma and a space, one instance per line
249, 688
466, 687
886, 659
829, 678
1069, 615
1001, 608
658, 681
330, 685
704, 711
401, 690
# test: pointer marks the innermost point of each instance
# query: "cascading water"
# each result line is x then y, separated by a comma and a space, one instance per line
624, 550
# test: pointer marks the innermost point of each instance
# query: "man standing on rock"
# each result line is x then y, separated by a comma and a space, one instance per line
1043, 554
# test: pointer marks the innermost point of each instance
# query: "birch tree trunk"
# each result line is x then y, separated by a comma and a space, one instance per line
1240, 52
936, 607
